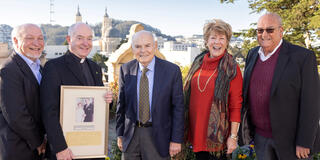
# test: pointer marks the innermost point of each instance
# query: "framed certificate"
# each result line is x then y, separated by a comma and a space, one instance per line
84, 118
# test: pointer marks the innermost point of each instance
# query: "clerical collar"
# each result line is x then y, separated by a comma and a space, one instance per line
81, 60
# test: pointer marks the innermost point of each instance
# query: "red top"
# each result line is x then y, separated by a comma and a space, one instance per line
200, 102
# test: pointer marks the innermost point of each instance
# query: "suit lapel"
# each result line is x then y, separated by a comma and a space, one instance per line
74, 67
25, 68
133, 75
156, 83
280, 66
248, 71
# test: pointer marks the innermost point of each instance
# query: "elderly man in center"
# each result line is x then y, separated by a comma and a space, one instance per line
213, 91
150, 109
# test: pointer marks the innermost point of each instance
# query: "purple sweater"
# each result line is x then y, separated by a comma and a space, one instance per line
259, 94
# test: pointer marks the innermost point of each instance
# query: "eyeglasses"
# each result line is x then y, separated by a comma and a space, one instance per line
268, 30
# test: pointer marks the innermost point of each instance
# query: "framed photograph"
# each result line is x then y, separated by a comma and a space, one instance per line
84, 118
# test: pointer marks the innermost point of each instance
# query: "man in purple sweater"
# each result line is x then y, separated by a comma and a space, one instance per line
281, 108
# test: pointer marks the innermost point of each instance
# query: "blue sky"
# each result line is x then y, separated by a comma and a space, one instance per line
172, 17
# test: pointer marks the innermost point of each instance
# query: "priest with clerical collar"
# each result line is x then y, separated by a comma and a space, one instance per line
73, 68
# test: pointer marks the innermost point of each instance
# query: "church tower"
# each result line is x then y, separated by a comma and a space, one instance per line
78, 16
110, 37
106, 23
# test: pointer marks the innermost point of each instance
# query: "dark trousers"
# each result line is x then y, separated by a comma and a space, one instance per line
208, 156
142, 147
265, 148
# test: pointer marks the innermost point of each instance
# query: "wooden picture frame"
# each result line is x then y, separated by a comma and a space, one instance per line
84, 118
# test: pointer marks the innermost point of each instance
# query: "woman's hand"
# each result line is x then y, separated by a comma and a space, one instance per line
232, 144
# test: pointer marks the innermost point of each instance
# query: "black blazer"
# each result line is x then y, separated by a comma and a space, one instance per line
167, 104
21, 129
61, 71
294, 100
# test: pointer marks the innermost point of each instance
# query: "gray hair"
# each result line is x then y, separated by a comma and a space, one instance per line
137, 34
16, 32
273, 15
73, 27
218, 26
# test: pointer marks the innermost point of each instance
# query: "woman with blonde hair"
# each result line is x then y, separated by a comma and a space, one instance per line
213, 94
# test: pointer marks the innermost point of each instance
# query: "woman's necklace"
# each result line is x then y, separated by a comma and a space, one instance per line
205, 86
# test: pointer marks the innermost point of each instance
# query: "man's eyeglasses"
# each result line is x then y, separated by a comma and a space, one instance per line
268, 30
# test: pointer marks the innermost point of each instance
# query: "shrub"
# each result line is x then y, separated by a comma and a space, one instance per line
245, 152
115, 151
115, 89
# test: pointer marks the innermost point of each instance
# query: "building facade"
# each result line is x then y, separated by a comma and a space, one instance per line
110, 37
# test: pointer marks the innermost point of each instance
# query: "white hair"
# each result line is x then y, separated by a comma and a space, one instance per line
73, 27
16, 32
137, 34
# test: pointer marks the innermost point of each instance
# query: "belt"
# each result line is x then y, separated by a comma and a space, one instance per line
140, 124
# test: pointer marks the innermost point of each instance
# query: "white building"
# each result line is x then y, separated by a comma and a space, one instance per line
177, 46
180, 53
54, 51
160, 41
236, 42
194, 39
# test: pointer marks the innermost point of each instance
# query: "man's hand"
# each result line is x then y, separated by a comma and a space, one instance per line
65, 155
174, 149
302, 152
232, 144
119, 142
42, 148
108, 97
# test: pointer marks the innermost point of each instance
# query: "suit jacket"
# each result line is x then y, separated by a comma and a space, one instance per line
294, 100
88, 110
61, 71
21, 129
167, 106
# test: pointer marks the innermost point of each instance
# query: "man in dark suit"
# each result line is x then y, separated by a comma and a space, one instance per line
21, 129
281, 96
73, 68
88, 110
150, 109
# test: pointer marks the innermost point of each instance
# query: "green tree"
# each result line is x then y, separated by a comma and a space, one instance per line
184, 72
300, 19
100, 59
125, 40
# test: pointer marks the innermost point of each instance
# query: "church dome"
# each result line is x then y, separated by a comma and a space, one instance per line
112, 33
